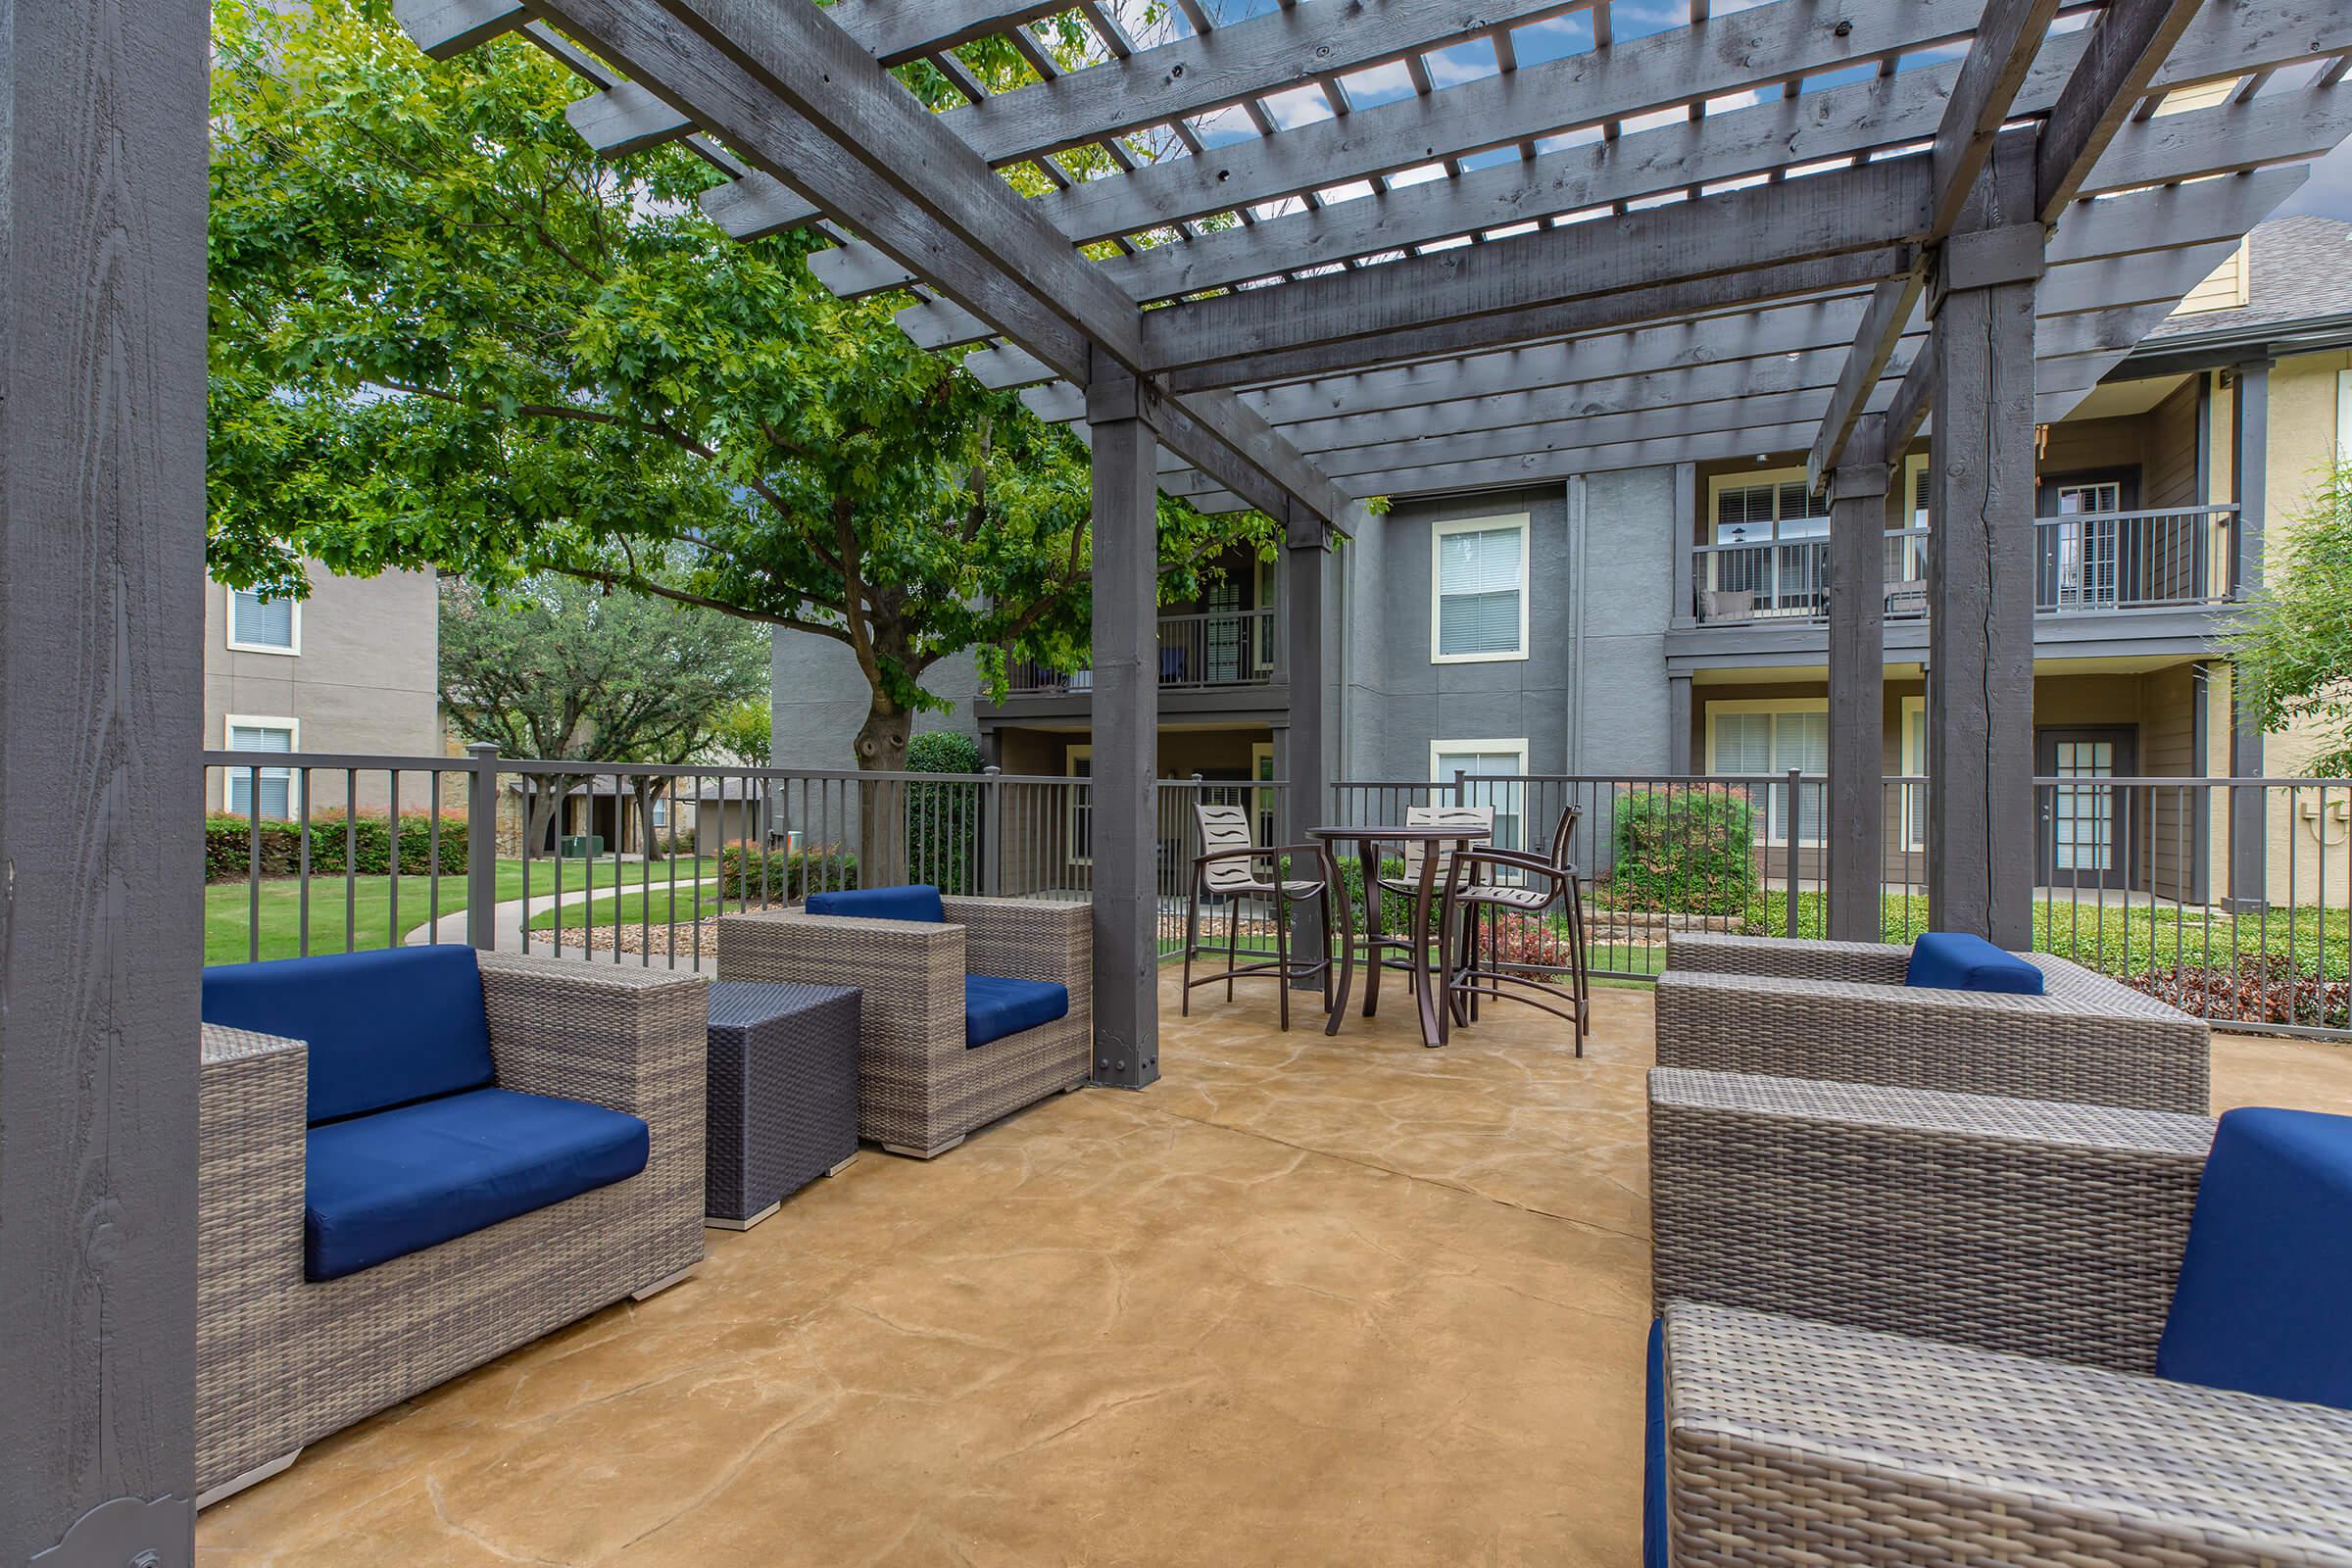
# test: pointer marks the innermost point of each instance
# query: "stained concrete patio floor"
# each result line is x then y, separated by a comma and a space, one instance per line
1307, 1301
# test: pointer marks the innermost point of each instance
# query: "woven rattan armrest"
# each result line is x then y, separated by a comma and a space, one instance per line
1791, 1441
1027, 939
603, 1035
910, 971
2050, 1229
1718, 952
2078, 1042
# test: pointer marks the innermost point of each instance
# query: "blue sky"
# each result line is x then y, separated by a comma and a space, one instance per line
2329, 191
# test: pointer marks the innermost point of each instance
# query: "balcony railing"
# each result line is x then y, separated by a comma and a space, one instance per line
2087, 563
1215, 649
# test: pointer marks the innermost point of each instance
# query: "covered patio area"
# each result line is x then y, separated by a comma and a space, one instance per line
1308, 1299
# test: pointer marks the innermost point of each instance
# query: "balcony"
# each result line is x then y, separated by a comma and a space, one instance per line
2091, 563
1203, 652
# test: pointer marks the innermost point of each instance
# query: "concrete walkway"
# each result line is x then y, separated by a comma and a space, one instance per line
506, 919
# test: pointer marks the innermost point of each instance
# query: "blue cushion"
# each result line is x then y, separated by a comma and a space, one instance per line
994, 1007
1654, 1451
916, 903
400, 1181
2266, 1279
384, 1028
1949, 961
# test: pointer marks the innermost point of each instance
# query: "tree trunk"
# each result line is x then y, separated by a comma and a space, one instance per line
882, 803
544, 801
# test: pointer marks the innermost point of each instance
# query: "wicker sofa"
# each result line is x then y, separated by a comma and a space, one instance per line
921, 1087
1840, 1011
1902, 1326
283, 1359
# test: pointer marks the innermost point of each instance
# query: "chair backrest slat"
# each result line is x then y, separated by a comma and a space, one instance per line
1472, 817
1225, 827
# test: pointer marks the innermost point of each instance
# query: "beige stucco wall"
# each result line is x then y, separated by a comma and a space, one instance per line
364, 679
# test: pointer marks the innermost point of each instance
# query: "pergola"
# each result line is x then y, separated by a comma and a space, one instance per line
1389, 248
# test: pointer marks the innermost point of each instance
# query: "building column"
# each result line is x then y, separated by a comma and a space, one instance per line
1856, 826
2249, 484
1980, 806
102, 446
1300, 758
1678, 723
1126, 735
1681, 566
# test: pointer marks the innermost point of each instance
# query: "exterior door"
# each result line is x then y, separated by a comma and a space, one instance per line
2081, 559
2084, 822
1224, 631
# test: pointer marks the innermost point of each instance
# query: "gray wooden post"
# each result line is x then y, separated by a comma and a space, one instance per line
481, 845
1305, 561
1856, 826
1678, 723
1681, 566
2249, 483
1126, 735
1981, 825
101, 155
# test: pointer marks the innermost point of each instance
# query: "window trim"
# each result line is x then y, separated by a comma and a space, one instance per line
1517, 745
230, 723
1438, 535
1913, 764
1069, 769
1768, 704
293, 647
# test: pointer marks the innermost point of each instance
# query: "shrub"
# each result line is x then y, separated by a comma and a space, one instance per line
1686, 851
2258, 990
943, 820
784, 877
228, 840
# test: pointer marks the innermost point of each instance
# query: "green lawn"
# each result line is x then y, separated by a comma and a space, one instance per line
228, 923
665, 900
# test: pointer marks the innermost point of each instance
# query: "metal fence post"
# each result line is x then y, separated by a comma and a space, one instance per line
1795, 836
482, 846
992, 833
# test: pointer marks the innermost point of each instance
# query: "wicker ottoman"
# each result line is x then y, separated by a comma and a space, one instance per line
783, 1101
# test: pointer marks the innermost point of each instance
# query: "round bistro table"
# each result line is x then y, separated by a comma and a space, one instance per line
1439, 839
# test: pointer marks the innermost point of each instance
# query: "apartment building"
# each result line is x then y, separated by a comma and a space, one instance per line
354, 668
1674, 620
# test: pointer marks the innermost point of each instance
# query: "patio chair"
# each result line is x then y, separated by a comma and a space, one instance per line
1227, 868
412, 1161
1408, 886
1844, 1010
1487, 885
1904, 1326
973, 1009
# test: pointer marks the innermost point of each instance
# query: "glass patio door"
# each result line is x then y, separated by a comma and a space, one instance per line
2083, 840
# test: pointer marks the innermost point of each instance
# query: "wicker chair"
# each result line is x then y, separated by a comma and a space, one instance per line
921, 1088
1901, 1326
1840, 1011
1227, 868
282, 1360
1483, 886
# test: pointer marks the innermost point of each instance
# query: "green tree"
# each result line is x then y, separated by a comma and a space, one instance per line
562, 670
445, 333
2292, 647
746, 733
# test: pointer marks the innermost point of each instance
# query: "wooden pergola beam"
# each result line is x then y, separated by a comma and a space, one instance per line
2127, 44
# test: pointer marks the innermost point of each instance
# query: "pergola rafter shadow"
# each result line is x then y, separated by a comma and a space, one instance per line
1344, 248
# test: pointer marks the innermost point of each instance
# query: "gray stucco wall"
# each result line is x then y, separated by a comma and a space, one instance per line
1624, 594
820, 700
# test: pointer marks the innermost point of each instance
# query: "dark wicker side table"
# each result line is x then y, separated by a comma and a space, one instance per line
783, 1100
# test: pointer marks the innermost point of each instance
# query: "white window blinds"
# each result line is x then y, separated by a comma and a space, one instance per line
276, 783
259, 624
1477, 592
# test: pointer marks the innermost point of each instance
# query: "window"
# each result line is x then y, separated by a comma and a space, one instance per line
263, 626
1769, 736
278, 796
1478, 584
1915, 765
1080, 765
1495, 769
1767, 534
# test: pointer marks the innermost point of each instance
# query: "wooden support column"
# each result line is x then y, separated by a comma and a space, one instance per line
1677, 722
2249, 483
102, 441
1857, 683
1300, 759
1126, 734
1981, 804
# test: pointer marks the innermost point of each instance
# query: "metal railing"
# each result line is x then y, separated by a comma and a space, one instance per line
631, 863
1211, 649
2228, 897
2082, 563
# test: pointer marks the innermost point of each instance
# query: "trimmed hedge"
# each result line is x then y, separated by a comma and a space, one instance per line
943, 820
228, 840
1686, 851
785, 877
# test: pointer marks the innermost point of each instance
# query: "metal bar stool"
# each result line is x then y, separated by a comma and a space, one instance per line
1227, 868
1409, 886
1491, 885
